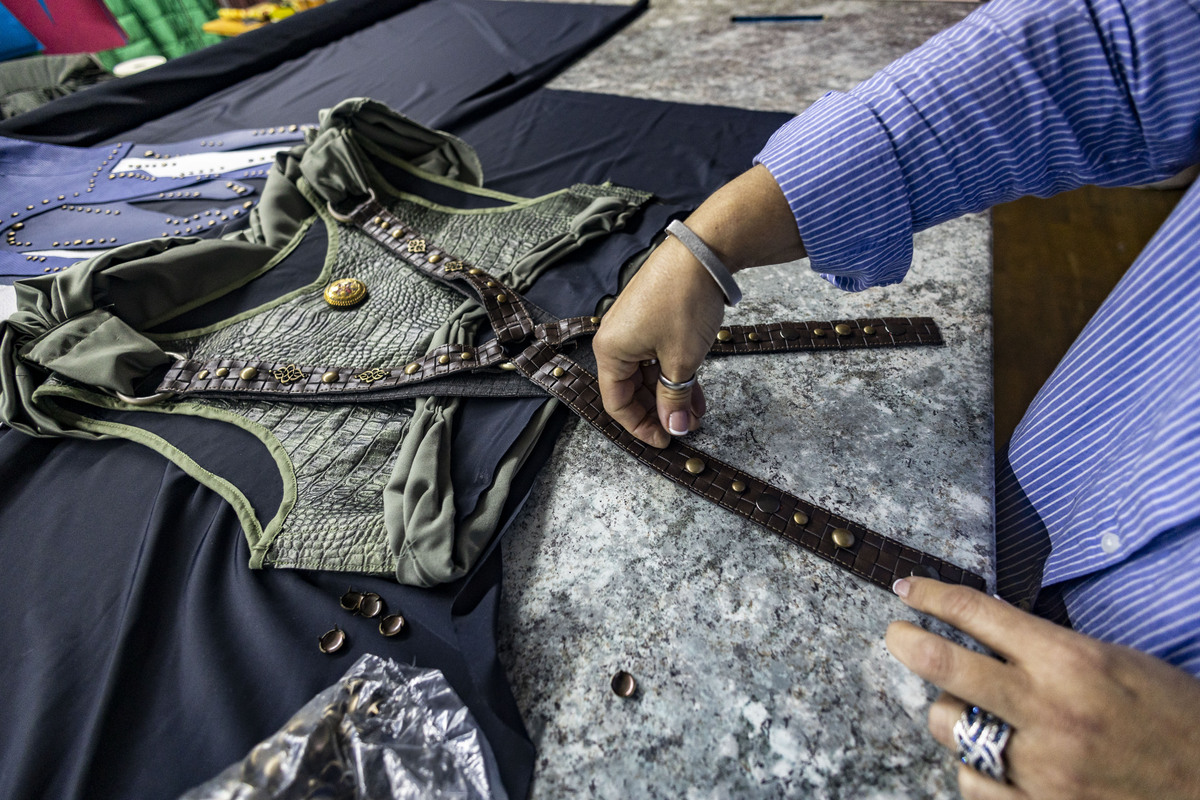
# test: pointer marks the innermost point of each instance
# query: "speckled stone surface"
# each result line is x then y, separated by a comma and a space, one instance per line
761, 669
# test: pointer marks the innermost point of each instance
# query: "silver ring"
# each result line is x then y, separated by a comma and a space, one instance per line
677, 386
981, 738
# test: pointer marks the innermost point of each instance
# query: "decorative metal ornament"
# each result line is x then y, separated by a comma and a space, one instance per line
332, 641
289, 374
345, 292
624, 684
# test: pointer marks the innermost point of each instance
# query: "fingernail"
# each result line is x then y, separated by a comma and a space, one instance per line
678, 423
901, 587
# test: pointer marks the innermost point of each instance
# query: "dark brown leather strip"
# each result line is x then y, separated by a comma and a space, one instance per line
864, 552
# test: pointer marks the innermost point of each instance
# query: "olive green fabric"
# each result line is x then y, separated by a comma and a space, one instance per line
369, 481
27, 83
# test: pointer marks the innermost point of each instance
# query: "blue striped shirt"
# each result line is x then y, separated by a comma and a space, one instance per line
1030, 97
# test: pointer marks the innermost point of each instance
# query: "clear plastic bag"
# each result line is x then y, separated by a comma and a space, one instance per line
385, 730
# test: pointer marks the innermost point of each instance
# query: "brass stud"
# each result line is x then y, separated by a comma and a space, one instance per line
222, 372
818, 332
434, 258
842, 329
398, 233
869, 330
767, 503
800, 518
379, 221
490, 284
332, 641
753, 336
90, 241
724, 335
18, 226
507, 366
412, 369
391, 625
842, 538
788, 334
558, 372
333, 376
624, 684
738, 486
202, 374
248, 374
594, 320
466, 355
501, 298
694, 465
443, 359
474, 271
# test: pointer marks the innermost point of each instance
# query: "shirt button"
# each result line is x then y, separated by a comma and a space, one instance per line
1109, 542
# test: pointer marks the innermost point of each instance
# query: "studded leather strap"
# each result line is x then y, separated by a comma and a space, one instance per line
532, 350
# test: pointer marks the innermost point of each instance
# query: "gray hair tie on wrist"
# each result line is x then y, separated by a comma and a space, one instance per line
720, 273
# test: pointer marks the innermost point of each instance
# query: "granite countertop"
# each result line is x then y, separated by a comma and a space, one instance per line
761, 669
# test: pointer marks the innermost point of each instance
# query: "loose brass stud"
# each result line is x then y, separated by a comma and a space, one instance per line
558, 372
843, 538
333, 376
623, 684
694, 465
332, 641
248, 374
800, 518
412, 369
443, 359
222, 372
724, 335
738, 486
202, 374
842, 329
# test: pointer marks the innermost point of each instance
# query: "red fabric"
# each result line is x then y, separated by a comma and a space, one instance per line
69, 26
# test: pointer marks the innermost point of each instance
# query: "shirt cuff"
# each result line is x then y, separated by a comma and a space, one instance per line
838, 170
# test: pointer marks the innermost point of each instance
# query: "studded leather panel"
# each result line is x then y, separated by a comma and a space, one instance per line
344, 454
865, 552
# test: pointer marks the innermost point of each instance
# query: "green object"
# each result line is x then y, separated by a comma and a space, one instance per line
27, 83
365, 485
169, 28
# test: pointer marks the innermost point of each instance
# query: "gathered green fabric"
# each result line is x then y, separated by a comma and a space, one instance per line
367, 484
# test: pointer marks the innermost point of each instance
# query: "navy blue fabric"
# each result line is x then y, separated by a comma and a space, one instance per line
138, 636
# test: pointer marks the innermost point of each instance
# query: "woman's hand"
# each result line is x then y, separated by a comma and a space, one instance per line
1089, 719
667, 318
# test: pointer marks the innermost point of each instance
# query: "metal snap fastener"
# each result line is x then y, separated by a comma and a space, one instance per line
391, 625
624, 684
332, 641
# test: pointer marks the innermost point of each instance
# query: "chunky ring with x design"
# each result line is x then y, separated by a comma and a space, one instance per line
677, 386
981, 738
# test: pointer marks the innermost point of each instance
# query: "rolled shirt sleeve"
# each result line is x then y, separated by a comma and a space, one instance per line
1019, 98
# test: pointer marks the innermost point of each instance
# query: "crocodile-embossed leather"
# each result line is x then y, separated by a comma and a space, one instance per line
533, 351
